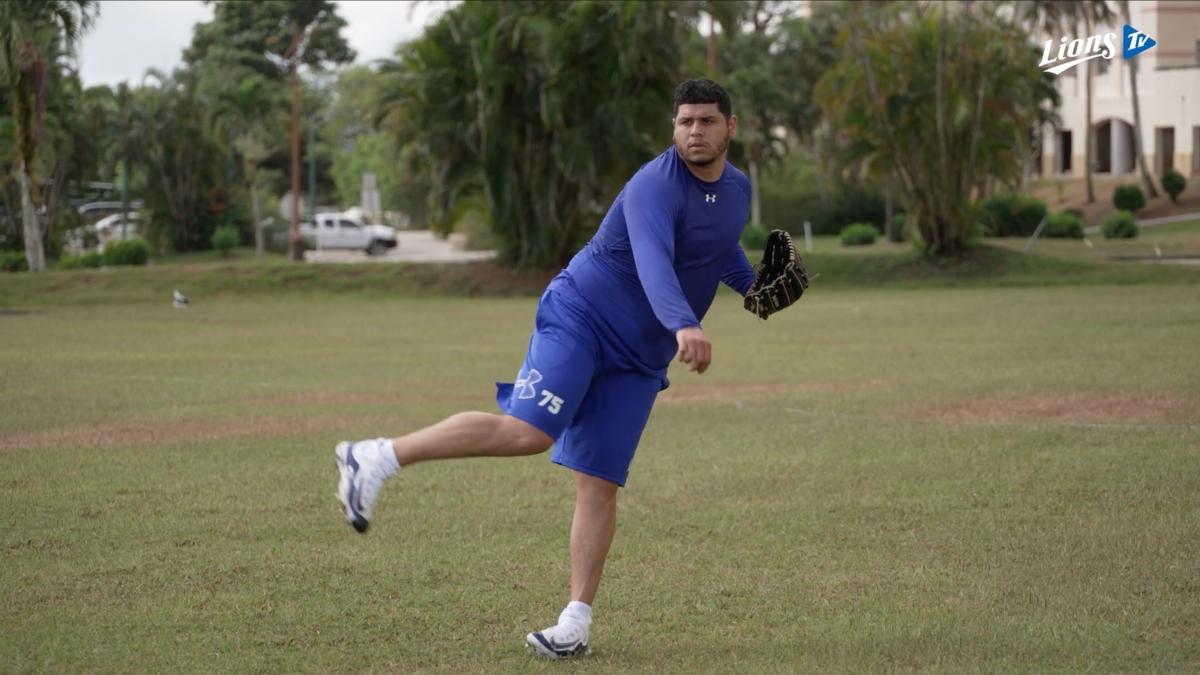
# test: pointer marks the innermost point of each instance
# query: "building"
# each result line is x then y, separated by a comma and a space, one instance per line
1169, 87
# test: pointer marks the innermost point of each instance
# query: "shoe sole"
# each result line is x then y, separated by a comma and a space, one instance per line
543, 649
347, 465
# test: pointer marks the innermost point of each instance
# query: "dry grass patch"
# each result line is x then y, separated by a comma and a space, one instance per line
150, 432
728, 392
1075, 407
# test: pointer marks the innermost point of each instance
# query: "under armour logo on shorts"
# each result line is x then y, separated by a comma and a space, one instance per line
525, 384
710, 198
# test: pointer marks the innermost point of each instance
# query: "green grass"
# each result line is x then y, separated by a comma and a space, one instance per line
240, 254
1189, 227
997, 263
1175, 239
920, 479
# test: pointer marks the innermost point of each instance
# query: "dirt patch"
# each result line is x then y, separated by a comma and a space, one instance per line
730, 391
1079, 407
418, 395
139, 433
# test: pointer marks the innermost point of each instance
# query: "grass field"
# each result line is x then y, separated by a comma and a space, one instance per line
910, 479
1171, 240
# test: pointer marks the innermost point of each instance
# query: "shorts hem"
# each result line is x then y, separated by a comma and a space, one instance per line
589, 471
533, 423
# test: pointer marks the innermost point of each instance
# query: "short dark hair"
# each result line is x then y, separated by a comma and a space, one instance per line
702, 90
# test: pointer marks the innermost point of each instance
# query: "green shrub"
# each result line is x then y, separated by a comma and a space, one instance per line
89, 259
225, 238
1063, 225
754, 237
1119, 225
134, 251
1007, 215
1129, 198
859, 234
1173, 183
13, 261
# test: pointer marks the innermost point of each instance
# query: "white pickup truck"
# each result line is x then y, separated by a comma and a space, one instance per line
338, 230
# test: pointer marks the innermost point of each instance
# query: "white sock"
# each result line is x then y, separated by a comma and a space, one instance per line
389, 456
579, 611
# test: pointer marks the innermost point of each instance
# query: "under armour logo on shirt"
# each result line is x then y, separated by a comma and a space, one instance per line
710, 198
525, 384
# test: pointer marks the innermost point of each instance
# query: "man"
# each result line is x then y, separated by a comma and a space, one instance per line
606, 329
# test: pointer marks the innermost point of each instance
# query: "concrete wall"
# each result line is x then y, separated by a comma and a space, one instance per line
1174, 24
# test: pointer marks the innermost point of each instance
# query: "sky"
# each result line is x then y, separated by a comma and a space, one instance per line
132, 36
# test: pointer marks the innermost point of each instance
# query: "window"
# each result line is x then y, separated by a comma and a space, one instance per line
1064, 151
1102, 66
347, 225
1164, 149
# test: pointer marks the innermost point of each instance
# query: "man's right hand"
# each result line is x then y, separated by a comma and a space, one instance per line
694, 348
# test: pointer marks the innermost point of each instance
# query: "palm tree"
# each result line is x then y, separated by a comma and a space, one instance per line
28, 30
1059, 17
1138, 148
487, 103
180, 157
934, 99
246, 112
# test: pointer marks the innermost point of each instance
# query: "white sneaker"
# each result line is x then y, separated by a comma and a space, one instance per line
363, 472
568, 638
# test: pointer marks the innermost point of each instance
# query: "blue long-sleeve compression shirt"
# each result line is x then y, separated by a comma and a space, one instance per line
655, 263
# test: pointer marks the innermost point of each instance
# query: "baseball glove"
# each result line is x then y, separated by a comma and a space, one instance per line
780, 278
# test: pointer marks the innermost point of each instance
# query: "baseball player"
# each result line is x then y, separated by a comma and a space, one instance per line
606, 330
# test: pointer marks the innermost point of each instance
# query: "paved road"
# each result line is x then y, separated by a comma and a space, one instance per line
414, 246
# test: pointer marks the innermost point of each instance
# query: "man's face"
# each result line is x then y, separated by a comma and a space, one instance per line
702, 133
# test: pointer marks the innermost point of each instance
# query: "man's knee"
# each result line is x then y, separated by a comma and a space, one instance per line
593, 488
522, 438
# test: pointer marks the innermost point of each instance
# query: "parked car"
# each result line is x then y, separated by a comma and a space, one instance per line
95, 210
341, 231
110, 228
81, 239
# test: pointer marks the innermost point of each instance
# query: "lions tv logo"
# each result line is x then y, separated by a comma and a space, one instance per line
1075, 52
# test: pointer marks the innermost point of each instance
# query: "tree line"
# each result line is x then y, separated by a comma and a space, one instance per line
525, 117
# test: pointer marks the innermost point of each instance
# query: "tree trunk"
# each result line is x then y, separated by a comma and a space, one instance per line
888, 218
755, 194
296, 250
35, 254
822, 191
50, 199
254, 208
1026, 176
10, 224
1138, 149
712, 46
1091, 133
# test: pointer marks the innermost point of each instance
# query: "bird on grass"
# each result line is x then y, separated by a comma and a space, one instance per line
180, 300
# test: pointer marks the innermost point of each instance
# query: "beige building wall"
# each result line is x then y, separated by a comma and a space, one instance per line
1169, 88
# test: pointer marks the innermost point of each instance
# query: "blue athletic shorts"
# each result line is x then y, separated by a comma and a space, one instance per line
569, 389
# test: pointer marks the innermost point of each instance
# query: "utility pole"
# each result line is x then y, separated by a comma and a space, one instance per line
124, 199
312, 169
294, 61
